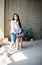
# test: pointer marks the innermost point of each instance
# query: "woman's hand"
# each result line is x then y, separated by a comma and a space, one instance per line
19, 35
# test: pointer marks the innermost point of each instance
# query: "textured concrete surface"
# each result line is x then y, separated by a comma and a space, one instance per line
30, 13
30, 54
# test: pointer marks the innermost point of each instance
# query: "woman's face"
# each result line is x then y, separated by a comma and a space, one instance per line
15, 17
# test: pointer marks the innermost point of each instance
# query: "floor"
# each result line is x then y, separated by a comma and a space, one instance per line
30, 54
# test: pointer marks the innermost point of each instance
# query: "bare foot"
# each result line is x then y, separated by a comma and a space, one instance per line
8, 54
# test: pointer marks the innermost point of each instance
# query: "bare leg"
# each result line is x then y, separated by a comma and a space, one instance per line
17, 43
20, 44
14, 46
10, 48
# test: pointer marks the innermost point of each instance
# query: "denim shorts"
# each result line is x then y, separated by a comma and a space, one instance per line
13, 36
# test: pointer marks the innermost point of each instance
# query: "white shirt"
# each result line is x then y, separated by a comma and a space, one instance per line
15, 27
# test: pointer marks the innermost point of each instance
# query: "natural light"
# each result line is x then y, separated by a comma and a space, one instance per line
18, 56
2, 50
4, 60
1, 34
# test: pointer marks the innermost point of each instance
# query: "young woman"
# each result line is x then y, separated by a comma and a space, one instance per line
16, 31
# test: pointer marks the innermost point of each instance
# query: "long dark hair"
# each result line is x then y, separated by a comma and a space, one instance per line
17, 19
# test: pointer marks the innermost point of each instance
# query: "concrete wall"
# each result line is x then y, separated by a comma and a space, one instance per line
30, 12
35, 17
1, 18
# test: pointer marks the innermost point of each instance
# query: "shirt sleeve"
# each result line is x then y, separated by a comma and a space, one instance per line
20, 30
12, 28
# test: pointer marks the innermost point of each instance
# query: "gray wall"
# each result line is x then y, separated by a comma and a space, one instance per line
35, 17
30, 12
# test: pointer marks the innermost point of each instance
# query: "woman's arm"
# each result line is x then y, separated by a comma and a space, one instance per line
12, 28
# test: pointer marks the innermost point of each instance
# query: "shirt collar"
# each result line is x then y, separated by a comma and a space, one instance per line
15, 21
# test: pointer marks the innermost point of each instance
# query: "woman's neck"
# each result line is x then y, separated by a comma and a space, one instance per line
16, 20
